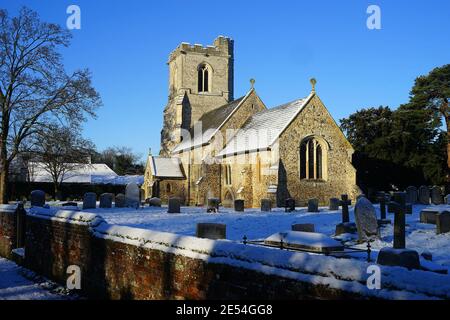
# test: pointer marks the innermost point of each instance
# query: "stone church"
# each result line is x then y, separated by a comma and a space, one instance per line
213, 145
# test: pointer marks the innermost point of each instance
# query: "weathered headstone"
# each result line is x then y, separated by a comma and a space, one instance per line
366, 220
424, 195
381, 197
399, 255
212, 231
362, 195
334, 204
303, 227
436, 195
106, 200
239, 205
132, 195
154, 202
266, 205
443, 222
213, 205
399, 207
447, 199
399, 258
119, 200
313, 205
289, 205
345, 202
308, 241
37, 198
89, 200
174, 205
428, 215
411, 195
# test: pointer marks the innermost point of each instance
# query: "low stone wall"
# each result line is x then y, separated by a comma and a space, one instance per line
120, 262
7, 230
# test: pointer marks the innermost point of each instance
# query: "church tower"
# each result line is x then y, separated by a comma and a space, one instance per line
200, 80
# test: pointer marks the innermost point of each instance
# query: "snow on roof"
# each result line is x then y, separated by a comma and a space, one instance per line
166, 167
81, 173
96, 173
206, 127
262, 129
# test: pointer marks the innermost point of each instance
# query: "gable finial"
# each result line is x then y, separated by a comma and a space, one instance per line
252, 83
313, 84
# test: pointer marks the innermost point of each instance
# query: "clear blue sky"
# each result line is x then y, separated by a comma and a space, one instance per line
279, 43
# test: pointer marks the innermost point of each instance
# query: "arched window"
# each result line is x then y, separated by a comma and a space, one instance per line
203, 78
312, 154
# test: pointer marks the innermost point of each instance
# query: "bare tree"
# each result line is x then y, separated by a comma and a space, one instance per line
34, 87
61, 152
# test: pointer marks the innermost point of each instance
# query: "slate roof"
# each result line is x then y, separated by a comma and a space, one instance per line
210, 123
263, 128
166, 167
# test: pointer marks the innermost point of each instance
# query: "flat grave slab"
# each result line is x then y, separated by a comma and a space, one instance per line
307, 241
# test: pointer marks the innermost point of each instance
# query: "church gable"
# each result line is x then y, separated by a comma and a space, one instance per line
230, 116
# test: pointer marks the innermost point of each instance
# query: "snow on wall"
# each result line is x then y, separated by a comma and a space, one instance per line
345, 274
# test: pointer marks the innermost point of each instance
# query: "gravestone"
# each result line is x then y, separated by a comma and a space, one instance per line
362, 195
174, 205
443, 222
345, 202
399, 207
303, 227
313, 205
132, 195
106, 200
37, 198
447, 199
119, 200
399, 255
239, 205
334, 204
428, 215
436, 196
411, 195
424, 195
366, 220
154, 202
212, 231
289, 205
213, 205
89, 200
381, 197
307, 241
266, 205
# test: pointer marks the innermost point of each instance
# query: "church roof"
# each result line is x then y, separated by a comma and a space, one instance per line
166, 167
263, 128
209, 123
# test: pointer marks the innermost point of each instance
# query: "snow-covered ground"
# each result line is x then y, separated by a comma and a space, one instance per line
258, 225
16, 284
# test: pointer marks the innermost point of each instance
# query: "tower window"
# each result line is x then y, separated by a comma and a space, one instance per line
312, 160
203, 78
